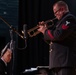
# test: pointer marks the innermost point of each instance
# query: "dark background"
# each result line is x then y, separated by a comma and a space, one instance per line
30, 12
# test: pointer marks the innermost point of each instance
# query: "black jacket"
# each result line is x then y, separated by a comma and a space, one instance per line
63, 38
2, 68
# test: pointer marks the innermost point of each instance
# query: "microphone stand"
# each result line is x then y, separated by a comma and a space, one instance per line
14, 30
12, 47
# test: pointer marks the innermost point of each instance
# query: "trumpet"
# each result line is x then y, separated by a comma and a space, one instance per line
33, 31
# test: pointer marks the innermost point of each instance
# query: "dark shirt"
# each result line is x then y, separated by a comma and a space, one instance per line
2, 68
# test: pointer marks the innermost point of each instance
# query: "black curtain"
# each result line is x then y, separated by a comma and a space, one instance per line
37, 51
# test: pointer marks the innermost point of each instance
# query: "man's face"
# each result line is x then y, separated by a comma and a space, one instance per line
58, 11
7, 55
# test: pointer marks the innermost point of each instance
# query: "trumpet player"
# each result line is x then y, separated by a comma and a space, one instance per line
62, 37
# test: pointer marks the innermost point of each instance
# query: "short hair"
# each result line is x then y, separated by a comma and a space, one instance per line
4, 49
62, 4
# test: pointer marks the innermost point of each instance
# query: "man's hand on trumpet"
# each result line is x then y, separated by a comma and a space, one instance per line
42, 27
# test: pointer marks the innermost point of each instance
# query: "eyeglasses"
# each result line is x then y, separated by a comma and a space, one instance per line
56, 11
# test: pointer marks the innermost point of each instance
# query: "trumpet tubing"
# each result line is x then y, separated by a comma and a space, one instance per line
33, 31
33, 34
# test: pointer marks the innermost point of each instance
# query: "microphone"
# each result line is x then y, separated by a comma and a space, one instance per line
25, 31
